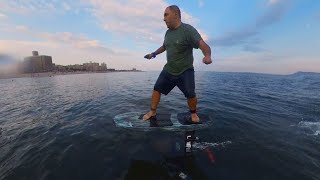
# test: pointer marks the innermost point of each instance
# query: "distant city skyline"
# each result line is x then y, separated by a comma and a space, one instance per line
39, 63
262, 36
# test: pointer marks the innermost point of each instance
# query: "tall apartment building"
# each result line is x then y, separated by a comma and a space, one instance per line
91, 66
36, 63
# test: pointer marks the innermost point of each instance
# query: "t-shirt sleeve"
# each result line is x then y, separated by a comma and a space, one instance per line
194, 37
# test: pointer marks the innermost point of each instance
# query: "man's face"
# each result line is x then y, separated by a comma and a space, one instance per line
170, 18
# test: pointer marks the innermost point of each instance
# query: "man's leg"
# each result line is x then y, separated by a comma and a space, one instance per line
186, 84
154, 104
163, 85
192, 103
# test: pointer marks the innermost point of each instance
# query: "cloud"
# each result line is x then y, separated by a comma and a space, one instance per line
68, 48
276, 9
272, 2
9, 28
3, 16
21, 28
252, 48
235, 37
204, 36
138, 20
200, 3
25, 7
77, 41
66, 6
135, 18
35, 7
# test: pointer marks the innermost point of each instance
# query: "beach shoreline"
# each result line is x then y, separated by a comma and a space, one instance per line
50, 74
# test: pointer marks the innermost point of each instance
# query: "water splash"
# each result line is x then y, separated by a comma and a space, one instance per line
204, 145
312, 128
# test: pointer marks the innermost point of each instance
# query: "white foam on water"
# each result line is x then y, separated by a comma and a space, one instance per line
204, 145
312, 128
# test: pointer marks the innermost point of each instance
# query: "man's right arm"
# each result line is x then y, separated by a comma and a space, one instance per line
158, 51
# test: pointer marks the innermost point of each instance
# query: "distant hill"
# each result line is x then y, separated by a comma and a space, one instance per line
300, 73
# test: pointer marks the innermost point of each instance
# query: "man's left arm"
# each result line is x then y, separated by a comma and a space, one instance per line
206, 50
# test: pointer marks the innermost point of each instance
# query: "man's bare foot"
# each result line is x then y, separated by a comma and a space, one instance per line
195, 118
149, 115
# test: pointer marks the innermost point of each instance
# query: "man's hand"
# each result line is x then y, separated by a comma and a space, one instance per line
207, 60
155, 53
148, 56
206, 50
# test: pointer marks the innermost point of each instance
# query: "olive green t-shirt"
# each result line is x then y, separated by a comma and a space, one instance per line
179, 44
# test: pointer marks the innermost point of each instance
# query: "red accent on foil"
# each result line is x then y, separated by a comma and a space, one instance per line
210, 155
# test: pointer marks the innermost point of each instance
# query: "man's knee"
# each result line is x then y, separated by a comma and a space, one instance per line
160, 91
156, 92
192, 97
190, 94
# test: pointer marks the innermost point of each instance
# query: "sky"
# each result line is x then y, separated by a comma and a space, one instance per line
262, 36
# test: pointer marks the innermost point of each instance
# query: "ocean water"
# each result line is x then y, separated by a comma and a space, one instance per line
265, 127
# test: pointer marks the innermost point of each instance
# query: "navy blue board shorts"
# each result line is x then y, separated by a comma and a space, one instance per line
185, 82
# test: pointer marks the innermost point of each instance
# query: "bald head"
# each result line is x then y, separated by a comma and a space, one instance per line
175, 9
172, 17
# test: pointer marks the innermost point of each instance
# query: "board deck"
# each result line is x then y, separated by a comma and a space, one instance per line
172, 122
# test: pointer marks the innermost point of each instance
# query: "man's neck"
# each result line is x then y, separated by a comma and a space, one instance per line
177, 25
